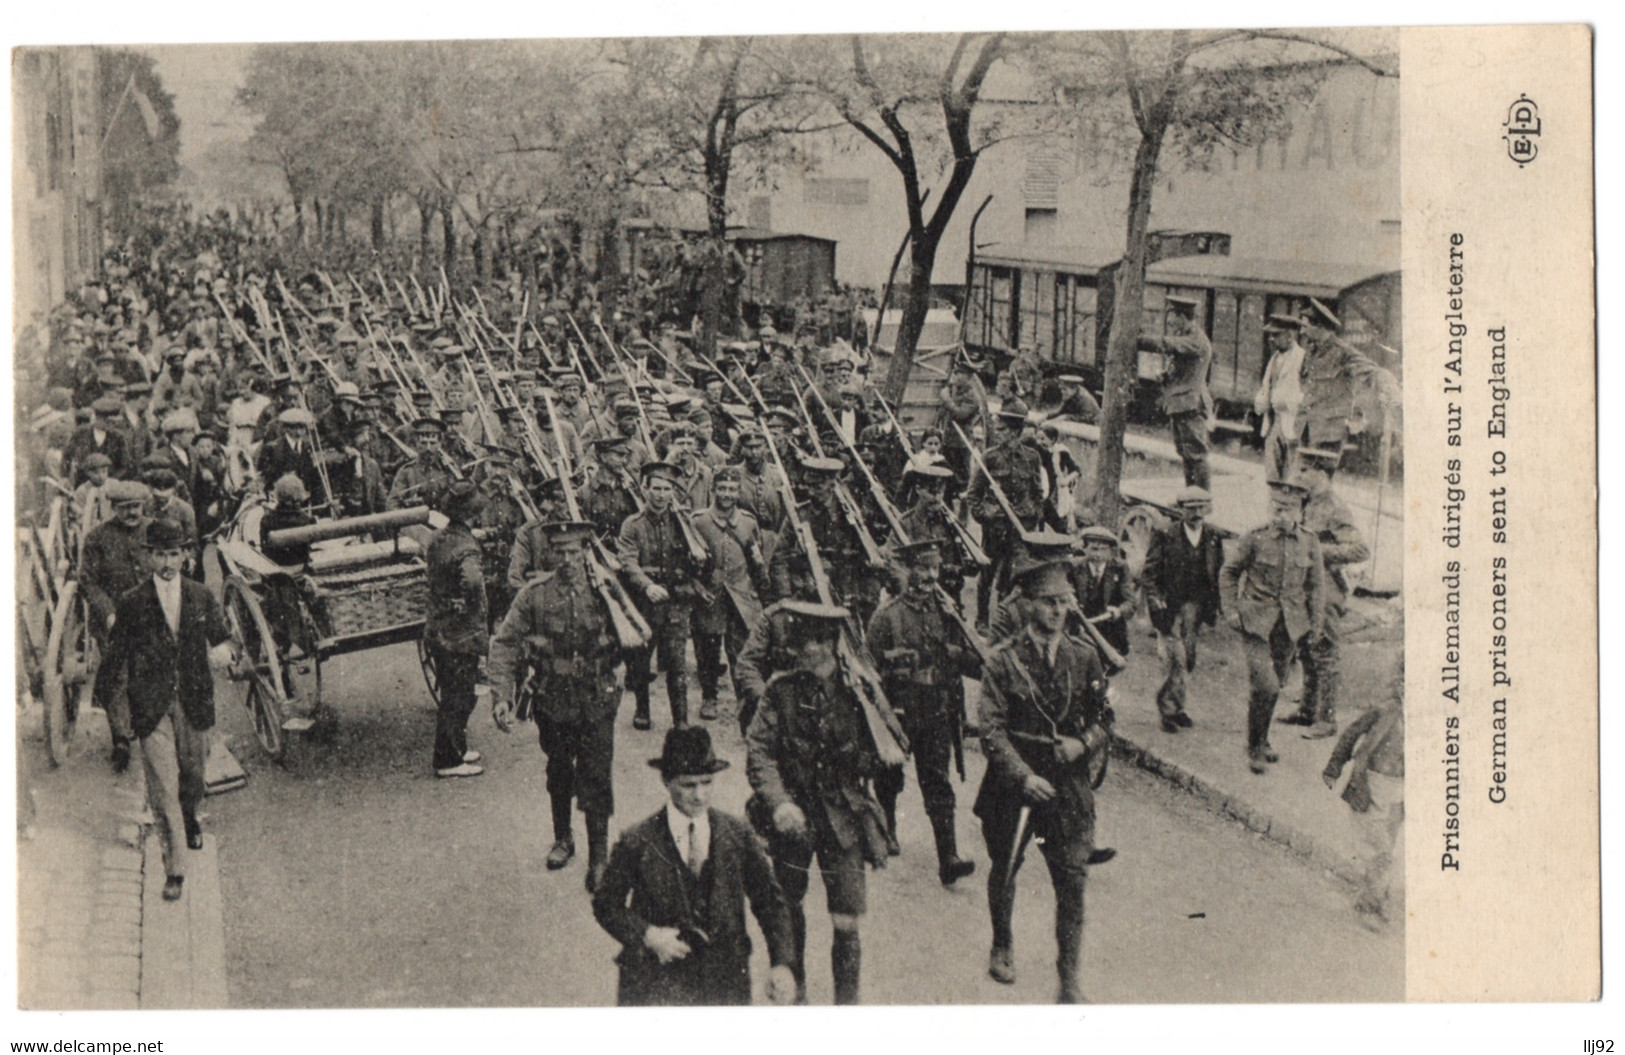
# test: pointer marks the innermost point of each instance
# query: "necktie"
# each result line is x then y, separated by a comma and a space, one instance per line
696, 859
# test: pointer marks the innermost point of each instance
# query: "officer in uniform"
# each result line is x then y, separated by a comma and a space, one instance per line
1181, 580
1331, 367
1185, 397
1043, 710
1019, 470
810, 759
731, 601
457, 628
1341, 544
662, 570
424, 479
1274, 589
922, 657
555, 655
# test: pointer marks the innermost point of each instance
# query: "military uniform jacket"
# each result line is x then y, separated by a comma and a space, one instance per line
1328, 375
561, 626
845, 561
1027, 701
1177, 572
736, 559
456, 619
763, 494
766, 652
1341, 543
810, 744
920, 655
695, 487
1274, 575
606, 502
653, 551
421, 481
531, 556
1184, 379
1019, 470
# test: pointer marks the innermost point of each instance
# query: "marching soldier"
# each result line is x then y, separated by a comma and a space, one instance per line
1019, 472
1185, 397
424, 479
928, 517
1273, 589
532, 553
573, 408
1181, 580
922, 657
660, 566
760, 489
852, 582
456, 629
610, 496
1341, 544
1043, 710
497, 526
810, 758
555, 656
731, 602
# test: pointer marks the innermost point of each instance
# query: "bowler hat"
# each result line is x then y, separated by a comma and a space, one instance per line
688, 752
166, 534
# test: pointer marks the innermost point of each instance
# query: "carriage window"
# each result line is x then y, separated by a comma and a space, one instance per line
1064, 291
1083, 324
1151, 324
976, 307
1251, 356
1043, 325
999, 312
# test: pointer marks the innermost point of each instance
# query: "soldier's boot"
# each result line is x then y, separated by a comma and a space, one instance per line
640, 707
597, 849
1069, 940
950, 866
1000, 903
846, 960
888, 806
564, 841
798, 934
708, 708
1325, 723
679, 711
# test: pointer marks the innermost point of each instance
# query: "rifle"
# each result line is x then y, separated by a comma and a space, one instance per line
856, 668
877, 491
586, 350
1112, 657
849, 505
961, 532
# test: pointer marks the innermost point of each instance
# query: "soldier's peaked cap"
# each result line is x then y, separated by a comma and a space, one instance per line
568, 530
823, 465
1174, 300
914, 551
663, 470
1320, 457
734, 473
1043, 543
1097, 533
1040, 578
1280, 322
814, 611
1318, 314
1289, 487
1191, 495
428, 423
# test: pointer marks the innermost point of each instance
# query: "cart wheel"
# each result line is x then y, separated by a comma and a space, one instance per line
70, 660
431, 677
259, 665
1139, 524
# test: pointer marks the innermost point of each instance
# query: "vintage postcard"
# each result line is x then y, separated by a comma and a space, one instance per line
495, 517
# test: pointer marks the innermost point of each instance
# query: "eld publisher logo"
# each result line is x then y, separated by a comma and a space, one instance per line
1522, 129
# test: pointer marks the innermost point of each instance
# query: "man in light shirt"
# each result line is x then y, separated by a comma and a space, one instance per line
1280, 396
675, 891
167, 635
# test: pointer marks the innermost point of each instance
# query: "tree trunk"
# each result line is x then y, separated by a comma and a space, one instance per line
425, 229
922, 262
378, 223
448, 237
321, 220
298, 221
1123, 340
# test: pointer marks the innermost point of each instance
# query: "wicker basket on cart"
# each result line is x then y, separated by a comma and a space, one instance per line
358, 602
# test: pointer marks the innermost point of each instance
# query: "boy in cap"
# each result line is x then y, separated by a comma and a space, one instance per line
1043, 710
1181, 581
1105, 586
1273, 587
811, 759
554, 658
100, 436
92, 503
682, 929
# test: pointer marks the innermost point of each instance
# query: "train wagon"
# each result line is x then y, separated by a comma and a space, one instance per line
1057, 302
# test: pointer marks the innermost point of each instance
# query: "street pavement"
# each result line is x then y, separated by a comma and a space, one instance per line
352, 877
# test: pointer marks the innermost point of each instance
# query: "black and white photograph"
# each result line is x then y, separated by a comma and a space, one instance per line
838, 519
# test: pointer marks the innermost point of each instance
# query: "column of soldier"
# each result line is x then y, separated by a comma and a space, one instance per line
610, 504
